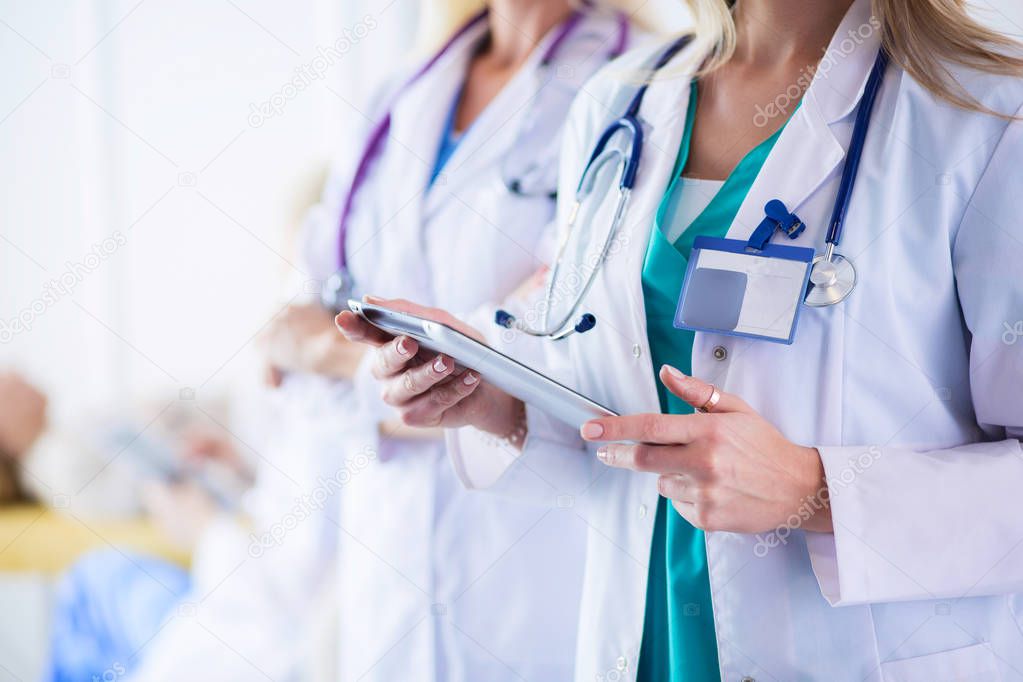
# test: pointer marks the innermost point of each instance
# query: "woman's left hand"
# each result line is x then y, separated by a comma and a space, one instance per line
730, 470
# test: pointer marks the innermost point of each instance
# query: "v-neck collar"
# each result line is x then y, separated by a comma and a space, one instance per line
728, 199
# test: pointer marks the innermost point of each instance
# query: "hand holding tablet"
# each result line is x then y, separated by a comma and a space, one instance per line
421, 353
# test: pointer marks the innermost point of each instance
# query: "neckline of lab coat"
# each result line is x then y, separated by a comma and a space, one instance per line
789, 173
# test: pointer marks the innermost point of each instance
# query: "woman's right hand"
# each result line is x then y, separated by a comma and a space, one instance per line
424, 387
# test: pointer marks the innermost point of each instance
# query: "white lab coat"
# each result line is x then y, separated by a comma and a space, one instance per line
437, 583
911, 389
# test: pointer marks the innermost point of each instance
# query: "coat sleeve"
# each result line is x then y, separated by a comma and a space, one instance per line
960, 505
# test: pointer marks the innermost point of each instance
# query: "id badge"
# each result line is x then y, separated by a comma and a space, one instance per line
732, 289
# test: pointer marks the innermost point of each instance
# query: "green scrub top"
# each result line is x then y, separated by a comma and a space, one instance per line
679, 644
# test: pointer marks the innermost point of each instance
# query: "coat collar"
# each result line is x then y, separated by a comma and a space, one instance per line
420, 111
842, 74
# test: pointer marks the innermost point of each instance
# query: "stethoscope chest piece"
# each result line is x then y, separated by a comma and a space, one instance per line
832, 278
336, 290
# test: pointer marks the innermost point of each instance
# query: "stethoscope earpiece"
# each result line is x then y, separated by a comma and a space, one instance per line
502, 318
586, 323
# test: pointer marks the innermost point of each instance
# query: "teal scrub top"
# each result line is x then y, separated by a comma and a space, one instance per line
679, 644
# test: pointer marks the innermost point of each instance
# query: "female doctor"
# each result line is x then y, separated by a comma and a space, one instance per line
449, 201
843, 506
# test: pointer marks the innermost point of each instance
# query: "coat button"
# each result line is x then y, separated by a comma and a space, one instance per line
621, 663
747, 678
642, 511
720, 353
636, 350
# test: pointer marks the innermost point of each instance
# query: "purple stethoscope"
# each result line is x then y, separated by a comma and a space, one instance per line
338, 288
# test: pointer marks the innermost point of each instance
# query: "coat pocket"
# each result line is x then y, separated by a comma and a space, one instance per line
975, 663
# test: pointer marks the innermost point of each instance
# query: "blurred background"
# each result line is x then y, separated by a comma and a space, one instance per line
156, 160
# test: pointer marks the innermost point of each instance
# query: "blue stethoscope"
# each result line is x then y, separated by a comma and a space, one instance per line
832, 275
339, 287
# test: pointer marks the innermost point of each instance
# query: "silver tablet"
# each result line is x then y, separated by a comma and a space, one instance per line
510, 376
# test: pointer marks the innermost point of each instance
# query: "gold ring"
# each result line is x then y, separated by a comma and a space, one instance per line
712, 401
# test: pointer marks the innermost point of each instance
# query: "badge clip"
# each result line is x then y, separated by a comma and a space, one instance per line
776, 217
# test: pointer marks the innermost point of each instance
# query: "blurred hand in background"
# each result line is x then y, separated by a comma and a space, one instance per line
303, 338
182, 510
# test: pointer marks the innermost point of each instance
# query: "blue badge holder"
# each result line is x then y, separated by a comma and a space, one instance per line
732, 288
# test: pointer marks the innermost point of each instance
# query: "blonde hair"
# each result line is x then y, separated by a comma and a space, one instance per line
922, 36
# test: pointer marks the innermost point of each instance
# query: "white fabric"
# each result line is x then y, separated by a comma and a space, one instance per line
908, 389
693, 195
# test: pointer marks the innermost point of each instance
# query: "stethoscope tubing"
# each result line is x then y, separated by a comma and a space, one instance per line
630, 125
856, 144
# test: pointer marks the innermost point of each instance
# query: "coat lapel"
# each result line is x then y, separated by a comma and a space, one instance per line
497, 127
808, 153
421, 111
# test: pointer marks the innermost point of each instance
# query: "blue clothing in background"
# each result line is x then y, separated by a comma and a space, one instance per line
449, 139
108, 606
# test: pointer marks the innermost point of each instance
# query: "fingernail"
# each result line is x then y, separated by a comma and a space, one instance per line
438, 365
602, 453
674, 372
402, 349
469, 379
592, 430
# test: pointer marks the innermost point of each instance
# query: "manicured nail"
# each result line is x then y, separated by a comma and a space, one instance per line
469, 379
674, 372
402, 348
438, 364
592, 430
602, 453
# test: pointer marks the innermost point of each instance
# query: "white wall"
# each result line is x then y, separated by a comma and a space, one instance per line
132, 122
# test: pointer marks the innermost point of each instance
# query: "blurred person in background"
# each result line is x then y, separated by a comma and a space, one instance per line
116, 462
245, 600
183, 471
